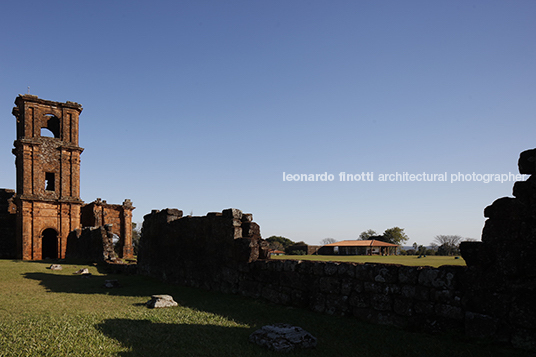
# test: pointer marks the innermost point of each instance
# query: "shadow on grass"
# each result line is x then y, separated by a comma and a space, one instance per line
146, 338
338, 336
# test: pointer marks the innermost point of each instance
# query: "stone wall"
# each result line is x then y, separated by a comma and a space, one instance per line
91, 243
502, 268
8, 243
48, 175
492, 298
117, 217
192, 250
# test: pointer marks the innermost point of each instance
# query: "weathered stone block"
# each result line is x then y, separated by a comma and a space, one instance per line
330, 285
480, 326
377, 288
283, 338
346, 286
408, 275
449, 311
424, 307
359, 300
337, 304
403, 307
158, 301
381, 302
317, 302
527, 162
331, 268
386, 273
364, 272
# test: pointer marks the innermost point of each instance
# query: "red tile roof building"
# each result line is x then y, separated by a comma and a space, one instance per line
363, 247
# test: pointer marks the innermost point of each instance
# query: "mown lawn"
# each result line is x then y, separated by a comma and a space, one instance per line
414, 260
57, 313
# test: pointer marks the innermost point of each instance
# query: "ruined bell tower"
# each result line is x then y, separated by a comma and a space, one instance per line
48, 176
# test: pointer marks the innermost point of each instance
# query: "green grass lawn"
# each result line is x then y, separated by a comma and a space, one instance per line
57, 313
414, 260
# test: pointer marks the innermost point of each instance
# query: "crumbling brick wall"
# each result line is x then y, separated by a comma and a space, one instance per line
117, 217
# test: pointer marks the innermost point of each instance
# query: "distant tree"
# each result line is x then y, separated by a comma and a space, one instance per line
421, 250
297, 252
395, 235
367, 234
284, 242
136, 235
448, 244
276, 246
328, 241
469, 240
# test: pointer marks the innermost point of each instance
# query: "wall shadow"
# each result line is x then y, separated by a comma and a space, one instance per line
146, 338
234, 307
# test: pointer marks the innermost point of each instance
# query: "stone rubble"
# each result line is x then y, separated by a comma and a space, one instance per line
161, 301
283, 337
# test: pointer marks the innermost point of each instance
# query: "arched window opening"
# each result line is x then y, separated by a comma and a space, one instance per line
52, 129
49, 244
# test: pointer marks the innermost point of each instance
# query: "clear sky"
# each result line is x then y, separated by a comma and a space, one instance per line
203, 105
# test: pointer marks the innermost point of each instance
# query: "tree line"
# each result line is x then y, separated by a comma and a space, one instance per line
441, 245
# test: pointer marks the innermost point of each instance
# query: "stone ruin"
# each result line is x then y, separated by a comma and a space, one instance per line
37, 218
198, 250
283, 338
492, 298
501, 272
92, 243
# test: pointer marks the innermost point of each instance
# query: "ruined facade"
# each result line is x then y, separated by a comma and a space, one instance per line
48, 176
117, 217
47, 202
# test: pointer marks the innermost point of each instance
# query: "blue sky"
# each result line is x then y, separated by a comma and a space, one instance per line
202, 105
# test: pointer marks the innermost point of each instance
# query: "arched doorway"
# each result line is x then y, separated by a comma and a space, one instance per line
49, 244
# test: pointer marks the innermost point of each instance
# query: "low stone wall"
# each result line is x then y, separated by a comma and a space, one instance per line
224, 252
412, 297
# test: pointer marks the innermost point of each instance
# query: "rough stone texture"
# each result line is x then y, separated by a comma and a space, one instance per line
199, 251
501, 279
119, 217
47, 203
158, 301
48, 176
283, 338
91, 243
